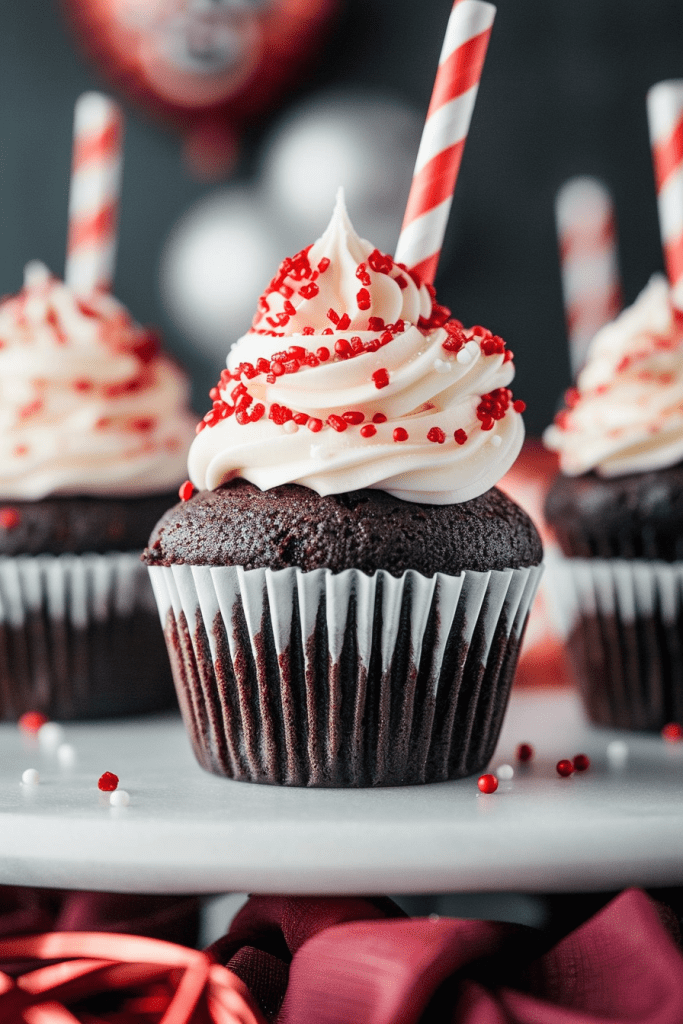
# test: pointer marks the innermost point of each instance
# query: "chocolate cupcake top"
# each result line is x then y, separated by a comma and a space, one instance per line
353, 377
625, 414
238, 524
88, 403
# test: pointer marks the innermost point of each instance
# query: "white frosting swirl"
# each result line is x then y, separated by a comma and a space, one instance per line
626, 413
410, 384
88, 405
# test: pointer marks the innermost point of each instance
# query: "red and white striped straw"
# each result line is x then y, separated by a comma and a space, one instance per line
94, 196
665, 116
444, 135
587, 238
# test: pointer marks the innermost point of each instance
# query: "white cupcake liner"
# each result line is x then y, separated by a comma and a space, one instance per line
624, 623
75, 631
315, 678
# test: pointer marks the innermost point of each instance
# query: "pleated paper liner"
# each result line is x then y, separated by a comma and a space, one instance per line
321, 679
625, 638
80, 637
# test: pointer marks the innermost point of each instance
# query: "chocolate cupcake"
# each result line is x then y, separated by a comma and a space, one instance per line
344, 598
617, 511
94, 431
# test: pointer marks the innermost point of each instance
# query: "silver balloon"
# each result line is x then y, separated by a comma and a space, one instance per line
215, 264
367, 143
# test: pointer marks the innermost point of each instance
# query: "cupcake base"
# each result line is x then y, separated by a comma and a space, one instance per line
625, 640
80, 638
321, 679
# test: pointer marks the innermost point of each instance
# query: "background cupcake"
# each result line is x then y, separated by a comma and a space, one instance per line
94, 430
344, 599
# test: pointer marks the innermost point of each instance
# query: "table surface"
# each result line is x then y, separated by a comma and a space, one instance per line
185, 830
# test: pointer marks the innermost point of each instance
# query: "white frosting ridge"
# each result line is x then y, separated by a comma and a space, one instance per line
401, 378
88, 405
626, 413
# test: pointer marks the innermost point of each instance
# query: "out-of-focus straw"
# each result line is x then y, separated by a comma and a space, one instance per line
444, 135
94, 196
587, 239
665, 116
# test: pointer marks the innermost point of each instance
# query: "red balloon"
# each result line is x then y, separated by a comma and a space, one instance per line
204, 67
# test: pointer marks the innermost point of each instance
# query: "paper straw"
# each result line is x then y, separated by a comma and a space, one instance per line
444, 135
665, 116
94, 196
586, 233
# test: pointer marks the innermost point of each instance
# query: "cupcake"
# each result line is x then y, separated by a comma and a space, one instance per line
344, 596
94, 431
617, 512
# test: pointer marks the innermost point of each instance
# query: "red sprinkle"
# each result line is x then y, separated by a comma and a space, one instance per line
314, 424
83, 384
108, 782
323, 354
525, 752
436, 435
672, 732
323, 265
368, 430
363, 299
519, 405
581, 763
376, 323
31, 721
186, 490
400, 434
565, 768
487, 783
337, 423
352, 417
460, 436
9, 518
380, 378
379, 417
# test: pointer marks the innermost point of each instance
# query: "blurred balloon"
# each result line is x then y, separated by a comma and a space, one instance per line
366, 143
215, 264
205, 66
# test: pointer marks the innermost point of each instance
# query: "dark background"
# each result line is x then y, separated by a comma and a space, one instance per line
563, 93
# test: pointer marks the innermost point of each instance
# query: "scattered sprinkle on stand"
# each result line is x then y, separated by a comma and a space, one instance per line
50, 735
617, 753
30, 777
107, 782
581, 762
31, 721
66, 755
564, 768
186, 490
672, 732
525, 753
119, 798
505, 772
487, 783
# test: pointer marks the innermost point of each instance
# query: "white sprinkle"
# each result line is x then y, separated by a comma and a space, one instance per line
35, 273
435, 917
441, 366
464, 357
473, 348
50, 735
617, 752
30, 777
290, 427
66, 755
119, 798
505, 772
496, 440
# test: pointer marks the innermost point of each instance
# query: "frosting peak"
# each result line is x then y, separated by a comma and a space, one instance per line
88, 403
353, 376
625, 414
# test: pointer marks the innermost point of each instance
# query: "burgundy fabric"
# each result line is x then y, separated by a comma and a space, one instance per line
351, 961
25, 910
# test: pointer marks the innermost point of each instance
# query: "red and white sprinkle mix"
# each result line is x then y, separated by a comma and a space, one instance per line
525, 753
31, 721
672, 732
186, 490
30, 777
581, 762
487, 783
107, 782
564, 768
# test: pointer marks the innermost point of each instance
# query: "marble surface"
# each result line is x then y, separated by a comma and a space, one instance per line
618, 824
